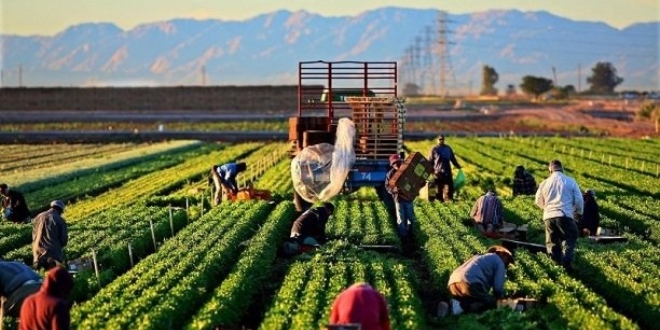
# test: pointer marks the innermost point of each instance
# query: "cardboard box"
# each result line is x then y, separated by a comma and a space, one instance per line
412, 175
81, 264
519, 304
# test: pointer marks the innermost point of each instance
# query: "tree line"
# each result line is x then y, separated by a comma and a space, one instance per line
603, 80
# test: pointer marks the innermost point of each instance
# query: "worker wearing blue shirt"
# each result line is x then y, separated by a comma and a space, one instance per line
224, 176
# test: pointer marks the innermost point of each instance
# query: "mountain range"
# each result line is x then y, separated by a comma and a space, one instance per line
265, 50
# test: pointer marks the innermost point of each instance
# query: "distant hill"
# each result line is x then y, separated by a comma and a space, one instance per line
265, 49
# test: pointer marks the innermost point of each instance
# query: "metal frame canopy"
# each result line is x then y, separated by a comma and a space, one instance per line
324, 85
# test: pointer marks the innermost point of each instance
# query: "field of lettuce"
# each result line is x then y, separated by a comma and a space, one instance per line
168, 260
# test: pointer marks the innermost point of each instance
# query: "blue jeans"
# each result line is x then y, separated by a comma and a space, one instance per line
561, 234
405, 217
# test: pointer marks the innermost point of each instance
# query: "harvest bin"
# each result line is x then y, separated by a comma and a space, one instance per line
412, 175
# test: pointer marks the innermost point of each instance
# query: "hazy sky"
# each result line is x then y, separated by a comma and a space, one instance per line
48, 17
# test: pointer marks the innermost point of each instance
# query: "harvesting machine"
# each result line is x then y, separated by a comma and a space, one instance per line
366, 93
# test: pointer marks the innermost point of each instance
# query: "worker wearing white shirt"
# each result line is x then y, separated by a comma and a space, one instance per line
560, 198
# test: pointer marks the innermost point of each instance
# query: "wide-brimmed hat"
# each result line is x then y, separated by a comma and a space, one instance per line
502, 250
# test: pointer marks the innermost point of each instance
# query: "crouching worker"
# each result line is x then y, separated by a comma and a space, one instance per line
361, 304
308, 231
589, 222
471, 283
49, 308
488, 214
224, 179
17, 282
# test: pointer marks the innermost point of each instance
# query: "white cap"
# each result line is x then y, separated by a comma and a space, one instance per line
57, 203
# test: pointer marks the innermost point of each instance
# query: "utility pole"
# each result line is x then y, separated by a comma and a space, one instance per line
203, 75
410, 65
20, 75
443, 53
419, 74
554, 75
579, 86
429, 67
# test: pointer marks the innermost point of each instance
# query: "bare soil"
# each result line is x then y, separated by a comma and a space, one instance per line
587, 118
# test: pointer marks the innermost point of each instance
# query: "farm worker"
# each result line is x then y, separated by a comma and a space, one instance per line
442, 157
470, 284
14, 205
590, 220
487, 213
17, 281
224, 177
523, 182
48, 309
49, 237
561, 199
361, 304
403, 206
309, 228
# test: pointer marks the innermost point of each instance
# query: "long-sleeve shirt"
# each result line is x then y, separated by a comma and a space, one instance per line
228, 173
14, 274
559, 196
49, 235
311, 224
48, 309
396, 195
524, 184
361, 304
488, 210
486, 269
16, 202
441, 156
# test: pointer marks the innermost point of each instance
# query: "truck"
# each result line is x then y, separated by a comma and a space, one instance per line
366, 93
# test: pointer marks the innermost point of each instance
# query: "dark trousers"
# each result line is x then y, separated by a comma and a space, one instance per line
445, 185
561, 234
473, 297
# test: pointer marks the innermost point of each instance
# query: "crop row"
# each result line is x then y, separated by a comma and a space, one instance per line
229, 302
448, 243
108, 235
362, 222
177, 276
157, 183
40, 156
14, 236
29, 180
310, 286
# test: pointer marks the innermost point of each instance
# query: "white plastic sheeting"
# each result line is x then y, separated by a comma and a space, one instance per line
319, 171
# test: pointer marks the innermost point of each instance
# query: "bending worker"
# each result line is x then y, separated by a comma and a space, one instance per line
224, 177
470, 284
14, 205
17, 281
487, 213
309, 228
49, 237
49, 308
